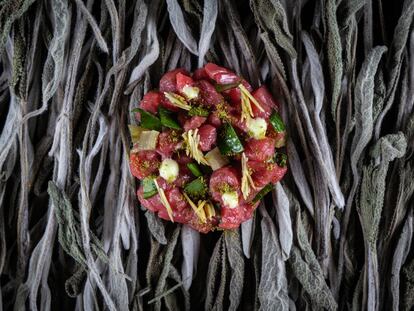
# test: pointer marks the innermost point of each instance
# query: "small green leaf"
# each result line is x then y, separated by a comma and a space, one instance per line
198, 111
197, 189
228, 142
261, 194
148, 120
168, 119
277, 122
281, 159
149, 188
195, 169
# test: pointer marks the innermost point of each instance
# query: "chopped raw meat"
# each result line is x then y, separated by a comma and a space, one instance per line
264, 173
215, 155
209, 94
168, 143
266, 101
208, 137
144, 163
260, 149
168, 82
220, 74
151, 101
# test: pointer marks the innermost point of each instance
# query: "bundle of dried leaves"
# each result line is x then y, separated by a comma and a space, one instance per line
336, 234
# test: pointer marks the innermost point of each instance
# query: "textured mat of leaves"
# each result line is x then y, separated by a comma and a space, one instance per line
335, 234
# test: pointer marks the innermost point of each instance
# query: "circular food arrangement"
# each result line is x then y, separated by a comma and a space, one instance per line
207, 148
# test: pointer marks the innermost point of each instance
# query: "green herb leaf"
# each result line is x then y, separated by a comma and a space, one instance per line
198, 111
195, 169
281, 159
277, 122
260, 195
149, 188
197, 189
168, 119
148, 120
228, 142
224, 87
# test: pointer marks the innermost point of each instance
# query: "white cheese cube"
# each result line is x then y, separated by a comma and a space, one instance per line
230, 199
257, 128
169, 170
191, 92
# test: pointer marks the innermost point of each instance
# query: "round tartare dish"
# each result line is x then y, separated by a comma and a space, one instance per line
207, 148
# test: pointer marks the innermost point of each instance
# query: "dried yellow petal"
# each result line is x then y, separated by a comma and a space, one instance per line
164, 200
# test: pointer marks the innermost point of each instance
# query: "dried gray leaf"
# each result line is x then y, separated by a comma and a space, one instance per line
276, 21
213, 270
180, 26
307, 270
326, 167
219, 299
53, 68
363, 100
373, 184
160, 287
334, 48
236, 260
10, 17
65, 68
243, 43
152, 50
246, 229
407, 299
156, 227
299, 177
210, 10
401, 33
273, 294
401, 252
281, 202
273, 54
190, 241
370, 207
95, 28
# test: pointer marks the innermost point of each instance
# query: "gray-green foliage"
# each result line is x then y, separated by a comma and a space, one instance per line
236, 261
335, 234
272, 291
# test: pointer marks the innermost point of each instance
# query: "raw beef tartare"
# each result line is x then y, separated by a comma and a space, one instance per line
207, 148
